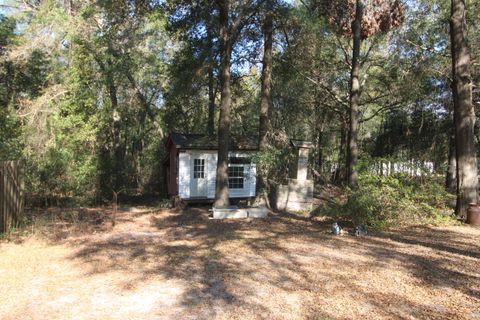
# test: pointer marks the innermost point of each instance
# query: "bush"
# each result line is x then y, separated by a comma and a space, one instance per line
383, 201
274, 163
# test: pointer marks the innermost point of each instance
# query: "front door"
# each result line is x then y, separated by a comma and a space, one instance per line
199, 178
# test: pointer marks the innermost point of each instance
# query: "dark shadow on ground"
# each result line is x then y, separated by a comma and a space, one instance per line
228, 264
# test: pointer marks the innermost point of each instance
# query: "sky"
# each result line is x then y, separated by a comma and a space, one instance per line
4, 9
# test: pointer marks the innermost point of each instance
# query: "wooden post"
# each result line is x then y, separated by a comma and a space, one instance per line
11, 194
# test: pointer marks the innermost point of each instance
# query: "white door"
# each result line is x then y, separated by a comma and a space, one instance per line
198, 184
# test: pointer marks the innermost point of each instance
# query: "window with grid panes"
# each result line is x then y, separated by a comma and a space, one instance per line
198, 168
235, 177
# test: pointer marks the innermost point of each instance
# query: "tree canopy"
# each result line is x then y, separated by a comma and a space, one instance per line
89, 90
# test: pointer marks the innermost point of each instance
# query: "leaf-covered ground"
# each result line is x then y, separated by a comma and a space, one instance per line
163, 264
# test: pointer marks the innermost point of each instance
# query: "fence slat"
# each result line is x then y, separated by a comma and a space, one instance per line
11, 194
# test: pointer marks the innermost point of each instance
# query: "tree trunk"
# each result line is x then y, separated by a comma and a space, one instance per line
264, 124
221, 187
211, 82
116, 119
147, 110
320, 151
320, 138
265, 96
464, 115
451, 176
339, 176
211, 103
352, 154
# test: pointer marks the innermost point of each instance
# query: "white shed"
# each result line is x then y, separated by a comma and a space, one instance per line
191, 167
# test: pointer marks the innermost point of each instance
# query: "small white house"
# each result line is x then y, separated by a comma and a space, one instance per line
191, 166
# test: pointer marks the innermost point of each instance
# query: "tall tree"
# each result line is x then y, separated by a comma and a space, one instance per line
265, 97
352, 155
211, 79
229, 32
360, 21
265, 93
451, 174
221, 186
88, 121
464, 114
195, 65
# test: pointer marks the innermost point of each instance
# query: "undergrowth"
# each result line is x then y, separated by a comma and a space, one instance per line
385, 201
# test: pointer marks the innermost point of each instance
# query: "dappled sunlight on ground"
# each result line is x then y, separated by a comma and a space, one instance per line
163, 264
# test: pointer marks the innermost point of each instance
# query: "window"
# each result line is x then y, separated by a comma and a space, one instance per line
198, 168
235, 177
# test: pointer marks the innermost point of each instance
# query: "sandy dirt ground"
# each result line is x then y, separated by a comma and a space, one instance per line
166, 264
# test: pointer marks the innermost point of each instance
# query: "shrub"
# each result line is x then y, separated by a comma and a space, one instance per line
274, 163
382, 201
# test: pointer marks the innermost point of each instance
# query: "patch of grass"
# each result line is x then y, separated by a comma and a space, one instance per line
48, 223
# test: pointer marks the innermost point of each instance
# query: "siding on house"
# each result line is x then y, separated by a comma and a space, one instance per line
185, 173
211, 173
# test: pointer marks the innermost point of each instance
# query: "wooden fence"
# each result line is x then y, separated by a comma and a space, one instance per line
11, 194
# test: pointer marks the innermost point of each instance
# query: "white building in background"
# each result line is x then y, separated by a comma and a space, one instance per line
191, 166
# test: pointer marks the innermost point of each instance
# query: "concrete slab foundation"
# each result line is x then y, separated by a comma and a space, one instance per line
236, 212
